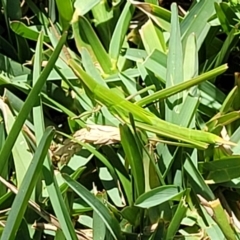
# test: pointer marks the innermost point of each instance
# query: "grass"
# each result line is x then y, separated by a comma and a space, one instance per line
117, 122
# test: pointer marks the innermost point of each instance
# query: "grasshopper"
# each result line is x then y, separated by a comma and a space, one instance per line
143, 119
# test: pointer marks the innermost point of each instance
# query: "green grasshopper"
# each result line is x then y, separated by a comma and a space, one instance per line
143, 119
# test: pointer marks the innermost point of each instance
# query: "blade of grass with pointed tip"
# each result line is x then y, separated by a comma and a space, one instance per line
173, 103
159, 15
176, 220
152, 37
190, 97
99, 208
88, 35
196, 21
57, 201
134, 158
190, 64
119, 32
227, 104
21, 155
222, 18
158, 196
38, 119
26, 32
221, 170
229, 43
157, 63
29, 103
163, 94
21, 200
197, 182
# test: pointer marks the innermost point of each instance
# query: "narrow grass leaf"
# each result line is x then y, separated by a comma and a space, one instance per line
159, 15
222, 18
29, 103
173, 104
177, 219
21, 200
110, 222
197, 182
227, 104
157, 63
57, 201
190, 65
38, 119
134, 157
222, 219
163, 94
197, 22
119, 32
229, 43
21, 154
86, 30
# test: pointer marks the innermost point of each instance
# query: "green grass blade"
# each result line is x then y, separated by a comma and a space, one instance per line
21, 201
29, 103
159, 15
84, 7
197, 182
134, 158
88, 35
158, 196
176, 220
152, 37
222, 219
163, 94
38, 119
26, 32
65, 9
173, 104
57, 201
99, 208
119, 32
21, 154
221, 170
197, 22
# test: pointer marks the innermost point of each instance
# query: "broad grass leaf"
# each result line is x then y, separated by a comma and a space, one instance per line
158, 196
110, 222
